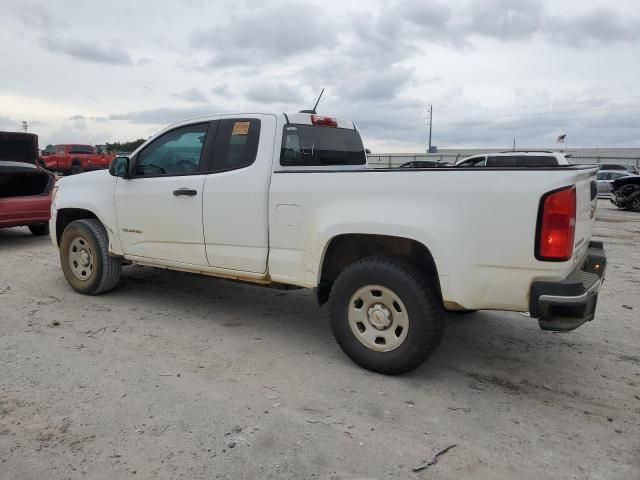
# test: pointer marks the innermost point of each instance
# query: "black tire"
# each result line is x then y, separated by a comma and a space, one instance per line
417, 293
102, 272
76, 169
633, 202
39, 229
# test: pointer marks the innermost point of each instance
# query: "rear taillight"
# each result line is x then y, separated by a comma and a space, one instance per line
556, 225
324, 121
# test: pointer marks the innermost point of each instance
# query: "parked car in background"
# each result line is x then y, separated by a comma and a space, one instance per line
515, 159
25, 187
606, 178
287, 200
625, 193
619, 166
75, 158
424, 164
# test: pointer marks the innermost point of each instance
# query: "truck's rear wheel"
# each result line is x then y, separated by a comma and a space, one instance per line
75, 169
84, 258
386, 314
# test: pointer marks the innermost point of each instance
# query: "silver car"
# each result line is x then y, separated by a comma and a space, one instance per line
606, 178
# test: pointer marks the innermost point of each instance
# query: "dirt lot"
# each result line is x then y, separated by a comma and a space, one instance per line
178, 376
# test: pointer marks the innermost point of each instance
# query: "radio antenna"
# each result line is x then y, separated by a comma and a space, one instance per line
319, 97
313, 111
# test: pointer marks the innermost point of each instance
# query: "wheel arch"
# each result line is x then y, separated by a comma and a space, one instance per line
344, 249
67, 215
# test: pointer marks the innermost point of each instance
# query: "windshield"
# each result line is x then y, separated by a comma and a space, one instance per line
308, 145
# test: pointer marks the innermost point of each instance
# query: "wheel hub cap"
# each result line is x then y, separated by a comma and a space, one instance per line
81, 259
84, 258
379, 316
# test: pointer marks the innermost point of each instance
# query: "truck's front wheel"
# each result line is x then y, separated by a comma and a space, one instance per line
386, 314
85, 260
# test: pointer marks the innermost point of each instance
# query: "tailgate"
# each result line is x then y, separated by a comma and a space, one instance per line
586, 201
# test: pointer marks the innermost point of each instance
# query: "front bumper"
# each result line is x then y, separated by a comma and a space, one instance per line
565, 305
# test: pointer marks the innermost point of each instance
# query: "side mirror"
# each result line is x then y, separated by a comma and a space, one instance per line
119, 167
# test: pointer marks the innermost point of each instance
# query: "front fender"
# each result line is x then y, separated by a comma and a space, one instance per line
94, 192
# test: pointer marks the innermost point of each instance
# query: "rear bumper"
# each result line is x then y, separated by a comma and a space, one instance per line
565, 305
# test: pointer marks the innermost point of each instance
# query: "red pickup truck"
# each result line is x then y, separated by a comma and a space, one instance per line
74, 158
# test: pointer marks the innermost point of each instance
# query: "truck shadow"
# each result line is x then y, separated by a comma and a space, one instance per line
489, 349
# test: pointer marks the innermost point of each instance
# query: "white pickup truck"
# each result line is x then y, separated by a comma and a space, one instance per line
288, 200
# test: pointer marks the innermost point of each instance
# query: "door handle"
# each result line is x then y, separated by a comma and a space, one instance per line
187, 192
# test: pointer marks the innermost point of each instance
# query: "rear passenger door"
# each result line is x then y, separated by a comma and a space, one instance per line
236, 193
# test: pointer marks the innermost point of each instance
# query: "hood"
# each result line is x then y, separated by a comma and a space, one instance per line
19, 147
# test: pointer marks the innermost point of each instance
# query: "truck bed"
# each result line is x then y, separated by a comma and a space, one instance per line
479, 223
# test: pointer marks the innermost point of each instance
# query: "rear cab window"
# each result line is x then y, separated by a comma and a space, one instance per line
319, 146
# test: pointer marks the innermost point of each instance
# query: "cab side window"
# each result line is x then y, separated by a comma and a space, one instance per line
236, 144
176, 152
60, 150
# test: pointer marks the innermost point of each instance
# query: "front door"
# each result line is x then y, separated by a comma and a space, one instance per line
159, 209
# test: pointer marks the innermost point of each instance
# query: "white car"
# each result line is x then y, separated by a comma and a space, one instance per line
515, 159
287, 200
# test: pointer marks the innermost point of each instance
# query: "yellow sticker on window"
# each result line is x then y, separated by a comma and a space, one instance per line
241, 128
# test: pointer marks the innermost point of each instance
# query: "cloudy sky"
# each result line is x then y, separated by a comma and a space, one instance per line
117, 70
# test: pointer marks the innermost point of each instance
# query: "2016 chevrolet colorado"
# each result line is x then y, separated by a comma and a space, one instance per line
281, 199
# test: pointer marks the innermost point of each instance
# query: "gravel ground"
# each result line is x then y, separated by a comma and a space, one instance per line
179, 376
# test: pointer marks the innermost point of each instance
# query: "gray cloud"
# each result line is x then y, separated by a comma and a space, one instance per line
163, 116
7, 123
87, 52
378, 85
192, 95
273, 92
506, 19
597, 27
37, 17
222, 90
273, 32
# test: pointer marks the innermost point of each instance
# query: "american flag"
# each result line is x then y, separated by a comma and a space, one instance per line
561, 138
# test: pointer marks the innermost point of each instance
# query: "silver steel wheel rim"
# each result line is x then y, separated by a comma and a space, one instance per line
81, 259
378, 318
